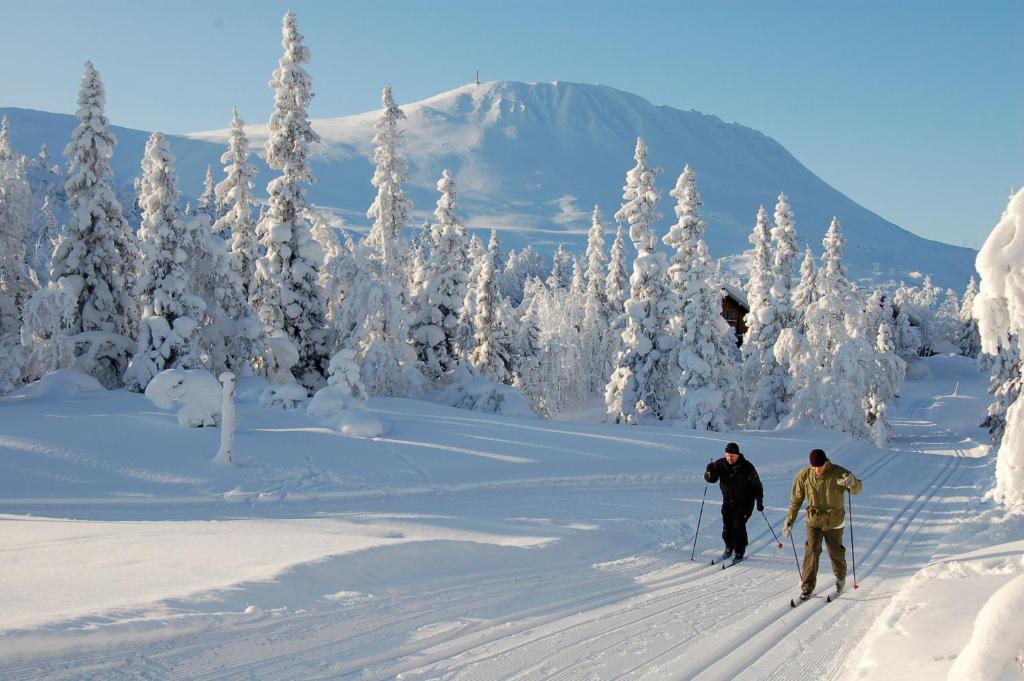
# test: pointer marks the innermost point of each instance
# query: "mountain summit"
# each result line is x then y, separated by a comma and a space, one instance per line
534, 158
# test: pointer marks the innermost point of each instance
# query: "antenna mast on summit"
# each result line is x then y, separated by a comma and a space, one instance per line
478, 76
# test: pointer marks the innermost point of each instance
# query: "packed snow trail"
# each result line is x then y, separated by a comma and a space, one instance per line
613, 596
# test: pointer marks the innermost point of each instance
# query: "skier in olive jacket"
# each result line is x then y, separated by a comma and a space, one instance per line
741, 489
823, 484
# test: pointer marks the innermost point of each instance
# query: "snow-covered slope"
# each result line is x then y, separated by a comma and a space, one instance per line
463, 545
532, 159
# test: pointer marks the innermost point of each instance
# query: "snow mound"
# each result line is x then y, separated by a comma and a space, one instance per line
360, 423
468, 391
995, 652
196, 391
62, 384
283, 396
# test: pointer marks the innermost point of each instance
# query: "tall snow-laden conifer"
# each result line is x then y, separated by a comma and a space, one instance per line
288, 296
390, 210
171, 311
968, 338
762, 374
490, 356
594, 332
704, 367
464, 328
16, 281
999, 309
95, 262
638, 391
234, 192
434, 332
382, 350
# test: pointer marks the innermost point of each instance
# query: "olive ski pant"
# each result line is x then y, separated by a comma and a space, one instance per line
812, 552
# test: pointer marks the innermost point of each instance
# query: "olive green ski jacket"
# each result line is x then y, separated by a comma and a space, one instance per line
826, 501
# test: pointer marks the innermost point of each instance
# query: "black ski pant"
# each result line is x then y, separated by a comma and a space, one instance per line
734, 525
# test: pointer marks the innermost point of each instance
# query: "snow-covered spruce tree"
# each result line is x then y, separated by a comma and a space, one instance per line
561, 268
947, 320
231, 337
373, 324
49, 235
761, 373
641, 388
288, 297
890, 372
434, 331
490, 356
6, 152
704, 368
616, 291
17, 282
390, 210
171, 310
594, 325
379, 330
999, 309
968, 338
1004, 384
208, 204
784, 254
528, 376
518, 268
95, 262
234, 193
833, 368
464, 327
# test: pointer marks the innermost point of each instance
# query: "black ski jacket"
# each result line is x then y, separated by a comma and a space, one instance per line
739, 482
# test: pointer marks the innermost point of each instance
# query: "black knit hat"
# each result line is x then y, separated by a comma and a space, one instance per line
732, 448
818, 457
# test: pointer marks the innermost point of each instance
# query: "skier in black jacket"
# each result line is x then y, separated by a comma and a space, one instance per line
741, 489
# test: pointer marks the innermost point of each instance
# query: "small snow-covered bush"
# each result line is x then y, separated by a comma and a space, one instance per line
283, 396
196, 391
468, 391
344, 390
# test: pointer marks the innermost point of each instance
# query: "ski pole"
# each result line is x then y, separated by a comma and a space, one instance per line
699, 516
853, 554
773, 531
793, 544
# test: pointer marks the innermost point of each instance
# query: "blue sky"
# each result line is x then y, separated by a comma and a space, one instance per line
913, 109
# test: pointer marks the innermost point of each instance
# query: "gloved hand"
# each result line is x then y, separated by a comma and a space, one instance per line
760, 505
846, 480
787, 531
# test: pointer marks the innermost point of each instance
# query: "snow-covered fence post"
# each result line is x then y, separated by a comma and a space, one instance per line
226, 452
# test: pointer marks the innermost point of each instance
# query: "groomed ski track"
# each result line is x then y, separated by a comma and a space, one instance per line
652, 614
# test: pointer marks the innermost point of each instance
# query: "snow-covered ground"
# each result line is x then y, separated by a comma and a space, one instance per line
467, 546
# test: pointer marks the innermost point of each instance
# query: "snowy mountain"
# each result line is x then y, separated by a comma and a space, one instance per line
533, 159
